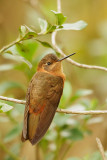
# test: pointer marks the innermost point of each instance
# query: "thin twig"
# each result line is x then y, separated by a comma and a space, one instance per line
8, 46
101, 149
91, 112
12, 100
56, 47
11, 44
59, 6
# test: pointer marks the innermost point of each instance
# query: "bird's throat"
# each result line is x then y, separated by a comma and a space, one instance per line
55, 73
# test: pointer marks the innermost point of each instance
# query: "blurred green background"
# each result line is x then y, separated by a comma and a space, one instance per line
70, 137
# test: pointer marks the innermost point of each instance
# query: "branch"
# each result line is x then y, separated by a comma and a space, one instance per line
91, 112
8, 46
101, 149
56, 47
59, 6
12, 44
12, 100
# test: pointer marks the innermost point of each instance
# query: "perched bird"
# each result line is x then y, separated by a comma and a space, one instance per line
43, 96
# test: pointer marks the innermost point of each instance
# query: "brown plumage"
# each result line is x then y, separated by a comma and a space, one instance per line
42, 99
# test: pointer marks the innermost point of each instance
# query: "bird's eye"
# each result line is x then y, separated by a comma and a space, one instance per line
48, 63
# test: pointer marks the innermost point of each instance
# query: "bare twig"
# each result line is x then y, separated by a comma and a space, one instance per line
13, 100
59, 5
8, 46
11, 44
91, 112
101, 149
56, 47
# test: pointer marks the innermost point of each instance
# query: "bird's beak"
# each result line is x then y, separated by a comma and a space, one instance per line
59, 60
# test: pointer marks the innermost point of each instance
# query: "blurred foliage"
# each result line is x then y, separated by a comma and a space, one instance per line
65, 130
94, 156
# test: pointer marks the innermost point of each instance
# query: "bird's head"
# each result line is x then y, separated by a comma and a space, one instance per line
50, 63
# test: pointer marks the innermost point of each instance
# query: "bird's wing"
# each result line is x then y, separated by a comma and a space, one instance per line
44, 97
24, 132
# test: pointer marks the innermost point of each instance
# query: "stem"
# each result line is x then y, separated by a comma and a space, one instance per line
12, 100
59, 6
12, 44
56, 47
101, 149
8, 46
90, 112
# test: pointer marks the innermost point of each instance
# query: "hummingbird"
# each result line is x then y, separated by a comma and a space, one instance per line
43, 96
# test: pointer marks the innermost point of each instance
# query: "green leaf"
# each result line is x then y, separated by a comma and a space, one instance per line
5, 86
43, 25
26, 32
51, 28
45, 44
30, 35
29, 29
22, 31
9, 55
46, 27
60, 18
27, 49
74, 26
13, 133
14, 52
5, 107
6, 67
22, 59
76, 134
